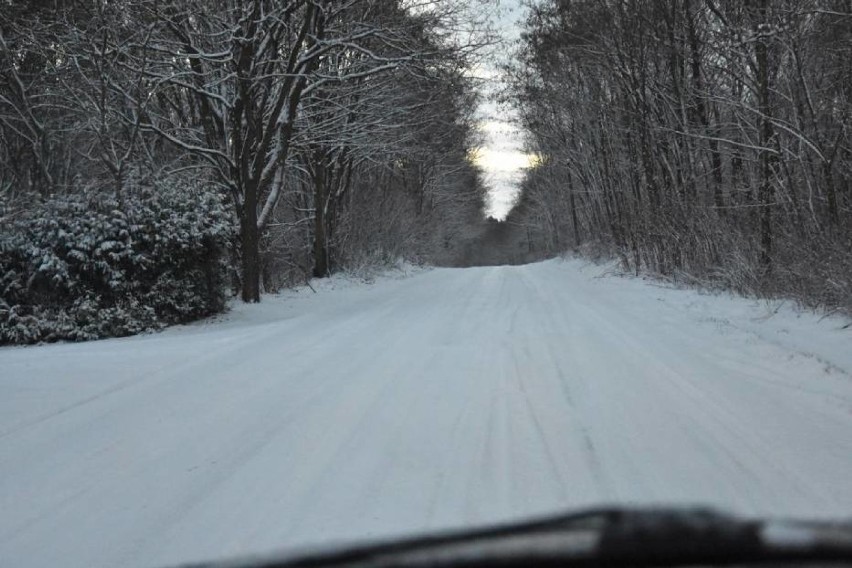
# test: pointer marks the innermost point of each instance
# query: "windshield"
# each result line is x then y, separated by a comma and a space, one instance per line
285, 275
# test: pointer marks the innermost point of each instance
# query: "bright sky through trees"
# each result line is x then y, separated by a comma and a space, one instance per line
502, 156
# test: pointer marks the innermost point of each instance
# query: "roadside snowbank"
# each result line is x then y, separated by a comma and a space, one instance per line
827, 338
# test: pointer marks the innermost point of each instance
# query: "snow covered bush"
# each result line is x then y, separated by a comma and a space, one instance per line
84, 266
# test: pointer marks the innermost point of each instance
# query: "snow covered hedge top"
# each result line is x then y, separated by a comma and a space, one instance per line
85, 267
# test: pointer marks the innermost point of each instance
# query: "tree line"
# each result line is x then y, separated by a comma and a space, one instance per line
708, 140
311, 134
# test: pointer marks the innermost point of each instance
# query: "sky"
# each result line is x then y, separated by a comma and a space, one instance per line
501, 155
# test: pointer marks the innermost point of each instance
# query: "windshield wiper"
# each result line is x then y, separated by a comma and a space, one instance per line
610, 537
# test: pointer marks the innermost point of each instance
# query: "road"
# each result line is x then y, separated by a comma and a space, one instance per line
444, 399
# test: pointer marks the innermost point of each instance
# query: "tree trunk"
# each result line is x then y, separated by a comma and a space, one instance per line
573, 205
831, 193
250, 242
766, 189
320, 242
701, 106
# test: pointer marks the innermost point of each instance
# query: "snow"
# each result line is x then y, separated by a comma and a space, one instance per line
428, 399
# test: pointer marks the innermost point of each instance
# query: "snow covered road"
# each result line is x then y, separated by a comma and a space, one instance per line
448, 398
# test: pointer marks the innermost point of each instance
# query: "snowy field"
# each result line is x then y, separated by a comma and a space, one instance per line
444, 398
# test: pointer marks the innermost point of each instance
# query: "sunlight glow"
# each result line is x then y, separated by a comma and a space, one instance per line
493, 161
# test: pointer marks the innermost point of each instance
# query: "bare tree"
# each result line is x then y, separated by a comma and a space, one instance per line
706, 140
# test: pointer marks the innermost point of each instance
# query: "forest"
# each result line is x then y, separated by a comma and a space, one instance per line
705, 141
158, 156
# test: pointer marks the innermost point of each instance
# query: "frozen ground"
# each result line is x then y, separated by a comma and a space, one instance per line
443, 399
